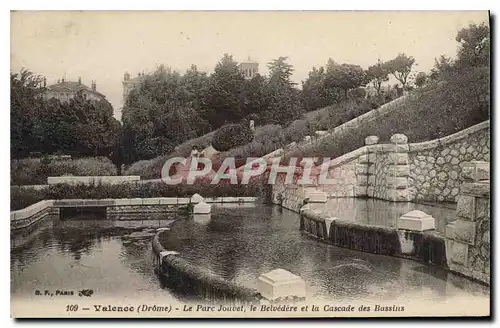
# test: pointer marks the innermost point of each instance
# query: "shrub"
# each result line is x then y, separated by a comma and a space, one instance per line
151, 169
32, 171
231, 135
23, 197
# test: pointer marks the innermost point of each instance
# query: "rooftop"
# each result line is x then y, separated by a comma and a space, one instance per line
71, 86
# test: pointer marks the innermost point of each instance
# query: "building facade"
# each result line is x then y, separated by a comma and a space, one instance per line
249, 68
66, 90
130, 84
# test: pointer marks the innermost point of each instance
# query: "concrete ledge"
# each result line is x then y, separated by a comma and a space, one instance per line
72, 180
31, 214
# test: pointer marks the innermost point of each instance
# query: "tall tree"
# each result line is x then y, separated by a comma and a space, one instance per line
400, 67
224, 93
284, 99
377, 74
280, 72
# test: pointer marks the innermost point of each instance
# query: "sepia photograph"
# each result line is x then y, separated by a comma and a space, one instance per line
250, 164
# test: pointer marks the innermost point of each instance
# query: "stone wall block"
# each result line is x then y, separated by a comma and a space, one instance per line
482, 208
459, 253
361, 169
362, 180
400, 171
466, 207
399, 158
465, 231
476, 171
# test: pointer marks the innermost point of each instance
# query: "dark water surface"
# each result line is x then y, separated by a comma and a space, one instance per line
240, 244
113, 258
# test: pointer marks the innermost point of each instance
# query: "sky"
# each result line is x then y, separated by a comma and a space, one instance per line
103, 45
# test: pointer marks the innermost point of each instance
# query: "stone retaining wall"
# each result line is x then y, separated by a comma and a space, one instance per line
435, 165
399, 171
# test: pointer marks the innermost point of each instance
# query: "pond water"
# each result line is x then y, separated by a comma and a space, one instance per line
240, 244
114, 259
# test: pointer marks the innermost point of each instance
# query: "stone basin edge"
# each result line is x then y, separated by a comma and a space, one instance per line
174, 267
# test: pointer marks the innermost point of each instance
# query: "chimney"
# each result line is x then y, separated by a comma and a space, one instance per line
44, 82
79, 80
126, 76
62, 80
93, 86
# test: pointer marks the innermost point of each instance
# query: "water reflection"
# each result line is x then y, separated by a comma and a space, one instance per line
113, 258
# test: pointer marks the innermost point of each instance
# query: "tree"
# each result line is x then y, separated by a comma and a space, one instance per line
280, 72
161, 114
345, 77
377, 74
421, 79
26, 102
400, 67
224, 93
284, 99
255, 96
474, 48
442, 65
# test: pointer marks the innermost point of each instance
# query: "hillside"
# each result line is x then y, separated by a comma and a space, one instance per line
439, 109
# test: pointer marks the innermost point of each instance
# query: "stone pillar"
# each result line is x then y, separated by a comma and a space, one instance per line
365, 170
468, 238
399, 169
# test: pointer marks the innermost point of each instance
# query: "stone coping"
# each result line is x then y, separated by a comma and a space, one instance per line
201, 277
452, 138
44, 204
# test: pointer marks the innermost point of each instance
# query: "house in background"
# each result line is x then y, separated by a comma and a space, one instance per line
66, 90
130, 84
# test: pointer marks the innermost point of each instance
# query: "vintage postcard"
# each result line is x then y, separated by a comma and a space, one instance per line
250, 164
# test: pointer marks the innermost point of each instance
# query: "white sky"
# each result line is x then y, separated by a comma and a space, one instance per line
103, 45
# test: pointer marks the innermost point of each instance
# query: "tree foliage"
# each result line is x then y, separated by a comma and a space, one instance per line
79, 127
345, 77
474, 45
400, 67
377, 74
